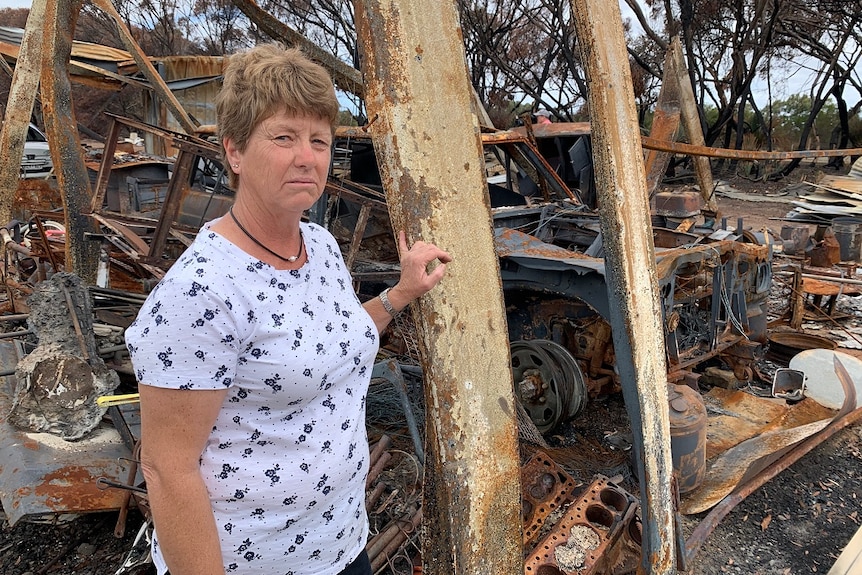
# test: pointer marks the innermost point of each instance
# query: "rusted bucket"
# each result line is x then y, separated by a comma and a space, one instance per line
687, 436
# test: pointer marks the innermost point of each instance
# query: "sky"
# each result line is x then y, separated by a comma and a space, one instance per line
793, 84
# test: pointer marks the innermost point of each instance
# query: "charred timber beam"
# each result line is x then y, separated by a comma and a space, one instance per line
103, 178
630, 269
432, 170
173, 199
82, 256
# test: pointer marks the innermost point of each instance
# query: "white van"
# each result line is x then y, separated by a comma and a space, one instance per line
36, 160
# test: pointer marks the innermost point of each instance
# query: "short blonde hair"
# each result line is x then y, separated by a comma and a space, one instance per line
265, 80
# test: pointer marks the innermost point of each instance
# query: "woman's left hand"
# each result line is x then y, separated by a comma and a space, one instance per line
415, 278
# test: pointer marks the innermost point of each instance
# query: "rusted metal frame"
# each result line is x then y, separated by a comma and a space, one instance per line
139, 245
105, 167
121, 80
76, 323
690, 359
391, 371
630, 269
692, 150
181, 237
549, 177
130, 220
120, 243
146, 67
120, 527
432, 169
188, 142
173, 200
19, 107
528, 168
671, 342
848, 415
357, 193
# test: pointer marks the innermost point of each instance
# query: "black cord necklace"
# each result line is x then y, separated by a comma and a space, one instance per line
291, 259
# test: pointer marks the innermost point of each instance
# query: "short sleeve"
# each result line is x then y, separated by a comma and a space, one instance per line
184, 337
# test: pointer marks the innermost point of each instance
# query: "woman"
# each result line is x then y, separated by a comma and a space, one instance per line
254, 354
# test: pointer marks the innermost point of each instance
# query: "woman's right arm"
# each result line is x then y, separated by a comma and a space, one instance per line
175, 425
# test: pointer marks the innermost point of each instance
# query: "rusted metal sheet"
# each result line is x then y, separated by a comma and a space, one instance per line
90, 64
846, 416
630, 269
197, 100
43, 476
432, 169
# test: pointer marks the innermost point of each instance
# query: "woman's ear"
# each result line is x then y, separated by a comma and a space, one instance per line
231, 152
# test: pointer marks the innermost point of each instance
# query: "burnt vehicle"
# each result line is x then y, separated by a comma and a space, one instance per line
713, 286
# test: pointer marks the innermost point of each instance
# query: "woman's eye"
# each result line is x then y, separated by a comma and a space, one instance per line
282, 140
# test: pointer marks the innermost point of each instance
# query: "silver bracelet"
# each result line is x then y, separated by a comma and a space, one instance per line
387, 305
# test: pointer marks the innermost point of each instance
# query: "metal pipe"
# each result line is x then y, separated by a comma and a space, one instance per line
837, 280
403, 529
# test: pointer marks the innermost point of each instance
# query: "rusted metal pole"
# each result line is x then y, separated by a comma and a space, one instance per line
82, 256
19, 107
429, 150
651, 143
635, 312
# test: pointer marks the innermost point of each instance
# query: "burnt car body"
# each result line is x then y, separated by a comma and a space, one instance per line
713, 286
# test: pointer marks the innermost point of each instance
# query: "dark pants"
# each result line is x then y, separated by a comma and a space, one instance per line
360, 566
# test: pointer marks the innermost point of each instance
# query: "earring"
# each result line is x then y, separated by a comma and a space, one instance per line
236, 165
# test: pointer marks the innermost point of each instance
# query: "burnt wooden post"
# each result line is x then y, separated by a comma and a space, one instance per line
665, 124
635, 313
693, 127
429, 150
19, 108
82, 256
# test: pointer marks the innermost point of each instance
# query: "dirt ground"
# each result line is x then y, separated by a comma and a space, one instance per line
797, 523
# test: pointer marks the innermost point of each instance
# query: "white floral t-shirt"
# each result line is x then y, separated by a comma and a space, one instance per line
286, 462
